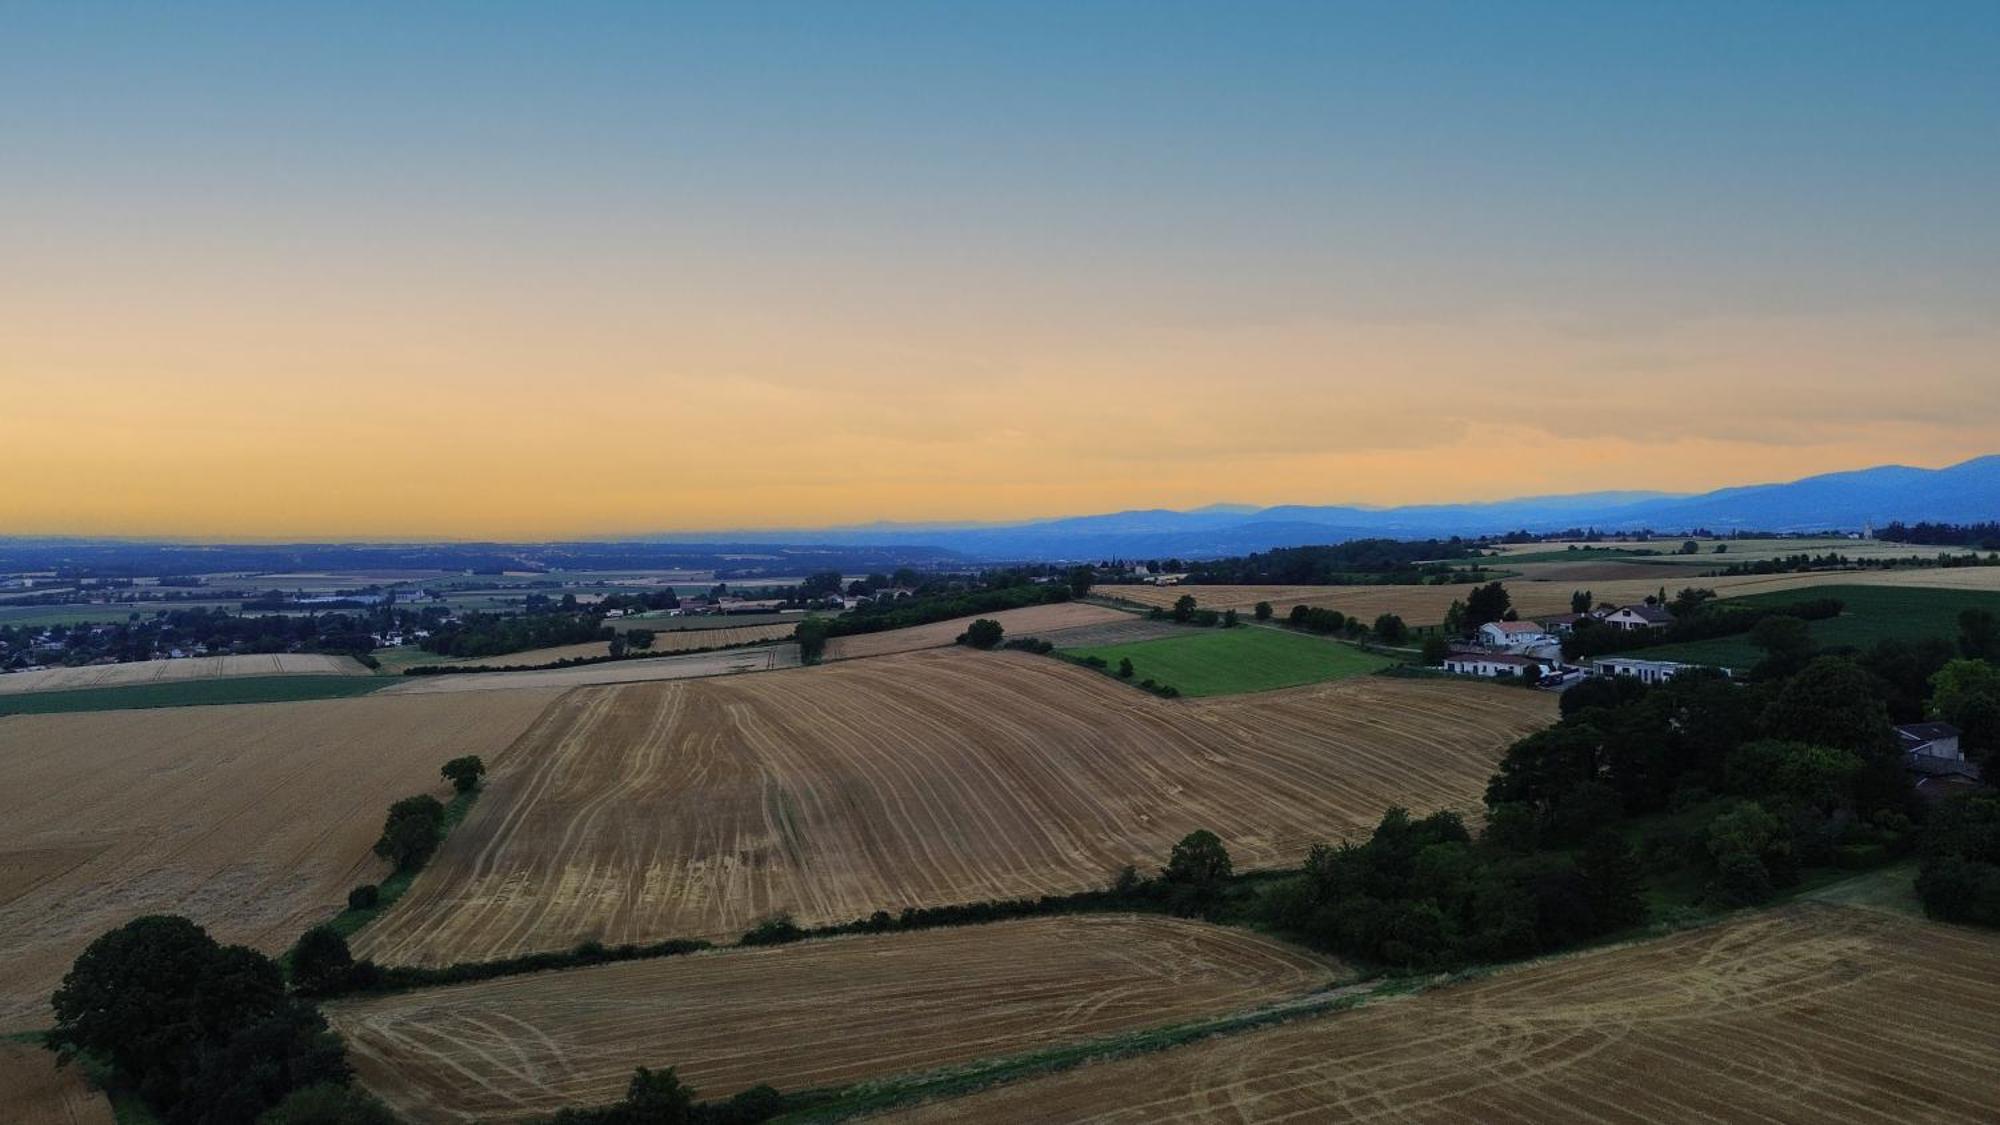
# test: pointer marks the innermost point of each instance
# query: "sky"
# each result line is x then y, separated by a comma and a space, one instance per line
506, 271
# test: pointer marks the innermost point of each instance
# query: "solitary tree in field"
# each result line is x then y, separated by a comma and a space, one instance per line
320, 960
984, 633
410, 834
1196, 871
464, 773
811, 635
1184, 607
1124, 667
1391, 630
1263, 611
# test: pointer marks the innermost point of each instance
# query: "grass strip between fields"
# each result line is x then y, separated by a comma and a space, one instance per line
350, 920
190, 693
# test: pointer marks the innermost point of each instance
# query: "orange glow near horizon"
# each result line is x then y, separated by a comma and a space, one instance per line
393, 423
338, 271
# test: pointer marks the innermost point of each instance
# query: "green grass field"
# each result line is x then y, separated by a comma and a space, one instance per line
191, 693
1230, 661
1873, 613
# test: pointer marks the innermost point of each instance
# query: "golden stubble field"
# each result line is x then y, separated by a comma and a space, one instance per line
1814, 1014
817, 1014
1026, 622
253, 820
693, 809
33, 1091
174, 671
1532, 596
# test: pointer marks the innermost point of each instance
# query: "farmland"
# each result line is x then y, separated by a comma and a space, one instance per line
34, 1092
692, 809
1811, 1013
812, 1015
1028, 622
252, 820
676, 640
1532, 596
691, 666
189, 693
169, 671
1871, 614
1228, 661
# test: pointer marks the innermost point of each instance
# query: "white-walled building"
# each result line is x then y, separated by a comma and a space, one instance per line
1514, 636
1493, 664
1645, 671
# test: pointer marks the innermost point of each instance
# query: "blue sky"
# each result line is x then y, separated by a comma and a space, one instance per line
890, 236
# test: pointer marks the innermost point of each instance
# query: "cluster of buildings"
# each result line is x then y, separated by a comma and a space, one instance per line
1534, 648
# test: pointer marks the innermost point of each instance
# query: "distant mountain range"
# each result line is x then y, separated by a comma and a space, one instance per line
1962, 493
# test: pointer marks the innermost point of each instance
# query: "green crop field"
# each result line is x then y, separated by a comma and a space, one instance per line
1873, 613
1229, 661
190, 693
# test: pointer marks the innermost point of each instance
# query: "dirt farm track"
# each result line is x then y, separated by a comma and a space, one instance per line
694, 808
1810, 1014
818, 1014
253, 820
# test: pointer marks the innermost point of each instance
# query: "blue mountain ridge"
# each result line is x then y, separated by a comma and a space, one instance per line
1963, 493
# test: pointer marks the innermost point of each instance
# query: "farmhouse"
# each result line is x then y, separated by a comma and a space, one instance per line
1931, 740
1645, 671
1491, 664
1513, 636
1635, 617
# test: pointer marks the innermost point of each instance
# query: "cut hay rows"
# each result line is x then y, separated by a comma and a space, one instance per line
693, 809
169, 671
34, 1092
1426, 605
818, 1014
1809, 1014
253, 820
1031, 621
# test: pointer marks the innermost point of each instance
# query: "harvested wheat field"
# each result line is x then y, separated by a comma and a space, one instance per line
1810, 1014
1032, 621
693, 809
169, 671
692, 666
1426, 605
34, 1092
822, 1013
253, 820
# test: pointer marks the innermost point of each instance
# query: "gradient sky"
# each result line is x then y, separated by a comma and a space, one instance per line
498, 271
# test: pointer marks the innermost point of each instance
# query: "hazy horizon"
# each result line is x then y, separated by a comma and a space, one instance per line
505, 273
